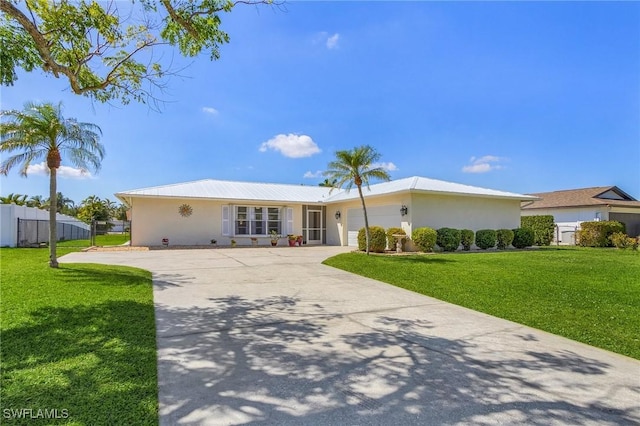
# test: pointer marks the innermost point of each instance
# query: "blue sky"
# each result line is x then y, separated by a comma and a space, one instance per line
517, 96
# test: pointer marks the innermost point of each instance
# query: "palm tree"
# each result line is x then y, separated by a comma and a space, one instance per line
36, 201
41, 132
356, 167
328, 183
62, 203
17, 199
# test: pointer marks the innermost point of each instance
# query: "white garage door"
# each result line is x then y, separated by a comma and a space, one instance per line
385, 216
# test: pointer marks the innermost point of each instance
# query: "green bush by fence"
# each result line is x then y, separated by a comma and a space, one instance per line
597, 233
543, 227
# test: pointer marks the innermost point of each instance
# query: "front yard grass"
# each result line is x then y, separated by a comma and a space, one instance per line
588, 295
101, 240
80, 338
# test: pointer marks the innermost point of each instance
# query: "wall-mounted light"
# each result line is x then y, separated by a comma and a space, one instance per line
338, 215
404, 210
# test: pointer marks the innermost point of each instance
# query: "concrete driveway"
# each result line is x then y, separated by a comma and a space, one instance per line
271, 336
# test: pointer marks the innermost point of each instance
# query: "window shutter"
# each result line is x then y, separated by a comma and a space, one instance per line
226, 230
289, 219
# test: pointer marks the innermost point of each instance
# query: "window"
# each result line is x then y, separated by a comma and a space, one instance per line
273, 224
257, 220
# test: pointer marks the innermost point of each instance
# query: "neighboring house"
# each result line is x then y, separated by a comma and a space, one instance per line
194, 213
571, 207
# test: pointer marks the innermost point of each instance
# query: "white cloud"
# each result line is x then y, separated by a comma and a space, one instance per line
390, 167
312, 175
484, 164
291, 145
210, 110
332, 41
63, 171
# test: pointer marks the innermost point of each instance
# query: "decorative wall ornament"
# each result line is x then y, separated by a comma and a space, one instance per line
185, 210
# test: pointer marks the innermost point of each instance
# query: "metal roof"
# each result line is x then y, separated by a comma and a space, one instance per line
253, 191
229, 190
419, 184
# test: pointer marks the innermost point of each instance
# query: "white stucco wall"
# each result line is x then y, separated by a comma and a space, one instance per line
438, 211
155, 219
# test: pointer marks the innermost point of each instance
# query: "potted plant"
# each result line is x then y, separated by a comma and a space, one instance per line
274, 238
299, 240
254, 241
233, 243
292, 240
214, 241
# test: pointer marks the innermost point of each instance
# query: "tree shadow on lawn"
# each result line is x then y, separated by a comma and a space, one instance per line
280, 360
98, 362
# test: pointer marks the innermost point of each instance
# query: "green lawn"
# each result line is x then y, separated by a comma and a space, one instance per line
589, 295
80, 338
101, 240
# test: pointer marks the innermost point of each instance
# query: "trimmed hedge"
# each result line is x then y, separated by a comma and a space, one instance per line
377, 239
543, 227
448, 239
424, 238
391, 240
504, 238
486, 238
523, 237
466, 239
596, 234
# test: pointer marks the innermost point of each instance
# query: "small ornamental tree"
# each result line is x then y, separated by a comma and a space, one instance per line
486, 238
448, 239
504, 238
522, 237
466, 239
424, 238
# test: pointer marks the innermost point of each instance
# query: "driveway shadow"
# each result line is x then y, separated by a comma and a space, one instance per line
261, 361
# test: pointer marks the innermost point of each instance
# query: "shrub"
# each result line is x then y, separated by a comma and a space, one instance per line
522, 237
377, 239
504, 238
486, 238
424, 238
623, 241
543, 227
448, 239
596, 234
391, 240
466, 238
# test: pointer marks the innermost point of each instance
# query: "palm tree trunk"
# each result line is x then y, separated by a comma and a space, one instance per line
366, 219
53, 209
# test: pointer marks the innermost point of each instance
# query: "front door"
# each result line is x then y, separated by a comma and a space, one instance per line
314, 226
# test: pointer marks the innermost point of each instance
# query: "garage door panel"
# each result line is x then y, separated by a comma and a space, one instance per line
384, 216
